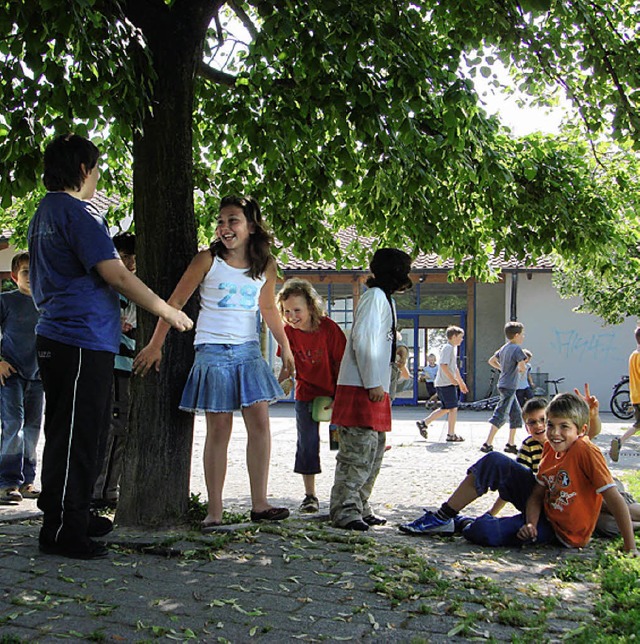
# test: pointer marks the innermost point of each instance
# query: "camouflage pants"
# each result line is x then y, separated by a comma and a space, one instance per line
357, 466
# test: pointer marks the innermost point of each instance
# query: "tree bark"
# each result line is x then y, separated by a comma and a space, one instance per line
155, 485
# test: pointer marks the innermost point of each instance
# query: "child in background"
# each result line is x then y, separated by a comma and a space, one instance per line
524, 390
317, 344
107, 487
634, 394
236, 277
560, 504
21, 395
447, 381
510, 361
428, 375
76, 275
362, 408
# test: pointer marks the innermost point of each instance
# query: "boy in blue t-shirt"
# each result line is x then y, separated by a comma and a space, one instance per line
511, 361
76, 275
21, 395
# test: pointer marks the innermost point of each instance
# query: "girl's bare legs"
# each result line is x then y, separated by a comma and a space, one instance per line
215, 461
256, 420
512, 435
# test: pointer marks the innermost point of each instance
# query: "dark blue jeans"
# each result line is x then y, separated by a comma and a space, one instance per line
21, 403
514, 483
308, 447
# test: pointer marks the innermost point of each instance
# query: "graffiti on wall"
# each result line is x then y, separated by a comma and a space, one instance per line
572, 345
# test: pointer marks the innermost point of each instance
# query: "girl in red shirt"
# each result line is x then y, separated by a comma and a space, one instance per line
317, 344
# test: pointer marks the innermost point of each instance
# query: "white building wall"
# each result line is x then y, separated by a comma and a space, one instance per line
576, 346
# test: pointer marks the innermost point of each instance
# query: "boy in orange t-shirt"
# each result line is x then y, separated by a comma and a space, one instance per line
561, 503
634, 395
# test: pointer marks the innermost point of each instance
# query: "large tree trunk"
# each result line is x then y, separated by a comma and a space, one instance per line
155, 485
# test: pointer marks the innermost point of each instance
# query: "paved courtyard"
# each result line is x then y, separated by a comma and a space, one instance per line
303, 580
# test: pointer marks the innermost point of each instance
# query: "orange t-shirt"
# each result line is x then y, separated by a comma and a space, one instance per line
574, 484
634, 377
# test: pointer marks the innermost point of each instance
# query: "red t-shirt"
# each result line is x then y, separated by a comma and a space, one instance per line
317, 355
574, 484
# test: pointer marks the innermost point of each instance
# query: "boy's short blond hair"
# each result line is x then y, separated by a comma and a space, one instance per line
569, 406
511, 329
453, 330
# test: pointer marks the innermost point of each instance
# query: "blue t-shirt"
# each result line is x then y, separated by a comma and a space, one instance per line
18, 318
67, 238
509, 356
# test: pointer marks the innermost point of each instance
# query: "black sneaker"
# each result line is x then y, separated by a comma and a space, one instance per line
357, 524
99, 526
80, 550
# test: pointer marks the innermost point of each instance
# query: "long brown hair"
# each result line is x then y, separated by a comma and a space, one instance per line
260, 240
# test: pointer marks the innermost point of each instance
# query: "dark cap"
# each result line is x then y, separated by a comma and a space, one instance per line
392, 263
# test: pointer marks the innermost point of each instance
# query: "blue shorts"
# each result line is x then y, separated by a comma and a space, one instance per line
514, 482
228, 377
308, 446
448, 396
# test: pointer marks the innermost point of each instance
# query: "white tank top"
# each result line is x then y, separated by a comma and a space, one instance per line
228, 305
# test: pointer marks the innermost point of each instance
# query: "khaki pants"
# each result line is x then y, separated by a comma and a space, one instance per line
357, 466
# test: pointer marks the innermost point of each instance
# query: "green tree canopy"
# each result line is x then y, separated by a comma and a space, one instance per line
332, 113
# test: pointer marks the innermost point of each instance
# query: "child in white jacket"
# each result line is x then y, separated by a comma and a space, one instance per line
362, 408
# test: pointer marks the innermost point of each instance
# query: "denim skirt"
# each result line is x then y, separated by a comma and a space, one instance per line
227, 377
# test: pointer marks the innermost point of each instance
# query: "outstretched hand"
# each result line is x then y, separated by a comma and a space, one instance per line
147, 358
178, 320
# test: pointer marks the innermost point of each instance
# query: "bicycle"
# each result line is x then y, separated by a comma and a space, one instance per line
486, 403
555, 384
620, 402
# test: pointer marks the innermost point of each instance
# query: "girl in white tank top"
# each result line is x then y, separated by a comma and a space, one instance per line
236, 277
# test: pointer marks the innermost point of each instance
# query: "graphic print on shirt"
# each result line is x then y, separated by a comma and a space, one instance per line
244, 298
310, 356
559, 498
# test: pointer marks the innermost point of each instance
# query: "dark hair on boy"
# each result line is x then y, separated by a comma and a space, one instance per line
534, 404
390, 268
511, 329
637, 332
17, 262
453, 330
63, 158
125, 243
569, 406
260, 240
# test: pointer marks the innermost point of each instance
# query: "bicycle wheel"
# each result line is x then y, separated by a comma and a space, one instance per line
621, 405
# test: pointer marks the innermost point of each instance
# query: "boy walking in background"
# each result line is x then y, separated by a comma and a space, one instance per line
510, 360
107, 487
447, 381
634, 395
21, 395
